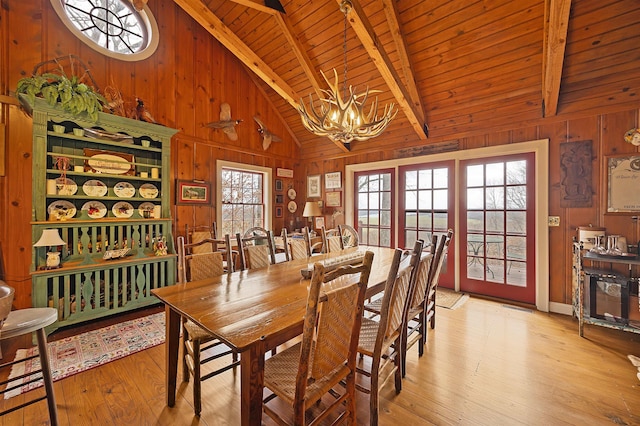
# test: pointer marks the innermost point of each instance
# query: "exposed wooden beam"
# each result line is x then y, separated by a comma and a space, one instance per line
406, 65
257, 5
555, 41
366, 34
209, 21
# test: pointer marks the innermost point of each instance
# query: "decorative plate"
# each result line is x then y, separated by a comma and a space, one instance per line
94, 188
61, 210
148, 190
122, 209
146, 207
95, 209
66, 186
633, 137
124, 190
291, 193
292, 206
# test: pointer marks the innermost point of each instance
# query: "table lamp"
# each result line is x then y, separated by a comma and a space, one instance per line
51, 238
311, 209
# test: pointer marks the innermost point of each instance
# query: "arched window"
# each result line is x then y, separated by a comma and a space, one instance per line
112, 27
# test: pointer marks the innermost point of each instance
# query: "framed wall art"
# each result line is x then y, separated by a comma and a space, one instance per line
333, 180
313, 186
278, 211
334, 199
623, 181
193, 192
319, 222
279, 185
279, 199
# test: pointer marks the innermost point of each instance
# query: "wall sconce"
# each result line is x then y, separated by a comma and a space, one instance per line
51, 238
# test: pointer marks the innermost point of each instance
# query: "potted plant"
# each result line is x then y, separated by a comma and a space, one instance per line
72, 94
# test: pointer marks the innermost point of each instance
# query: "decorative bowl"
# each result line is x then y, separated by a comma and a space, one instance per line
6, 300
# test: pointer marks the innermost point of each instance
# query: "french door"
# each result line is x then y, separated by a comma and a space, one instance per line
426, 208
374, 207
497, 228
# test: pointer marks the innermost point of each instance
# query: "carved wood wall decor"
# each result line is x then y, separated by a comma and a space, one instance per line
433, 148
575, 174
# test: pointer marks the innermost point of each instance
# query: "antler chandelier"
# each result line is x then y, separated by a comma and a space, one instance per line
342, 118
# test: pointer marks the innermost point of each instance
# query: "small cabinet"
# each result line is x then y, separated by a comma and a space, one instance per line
104, 187
604, 296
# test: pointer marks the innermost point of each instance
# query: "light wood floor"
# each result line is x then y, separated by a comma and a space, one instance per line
486, 364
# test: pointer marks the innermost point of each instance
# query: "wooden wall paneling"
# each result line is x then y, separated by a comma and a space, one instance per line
164, 57
182, 157
16, 244
472, 142
524, 134
203, 77
499, 138
559, 285
183, 66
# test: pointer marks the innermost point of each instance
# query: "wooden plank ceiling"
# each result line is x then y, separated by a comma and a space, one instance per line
456, 66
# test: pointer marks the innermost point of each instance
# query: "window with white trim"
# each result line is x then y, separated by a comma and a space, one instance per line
112, 27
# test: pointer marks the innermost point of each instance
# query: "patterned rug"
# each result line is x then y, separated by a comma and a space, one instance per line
450, 299
88, 350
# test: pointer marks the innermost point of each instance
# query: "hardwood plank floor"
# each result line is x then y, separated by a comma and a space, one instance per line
486, 363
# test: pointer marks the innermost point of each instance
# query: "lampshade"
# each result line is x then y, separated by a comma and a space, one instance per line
50, 237
311, 209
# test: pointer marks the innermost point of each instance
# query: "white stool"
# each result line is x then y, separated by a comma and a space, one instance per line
25, 321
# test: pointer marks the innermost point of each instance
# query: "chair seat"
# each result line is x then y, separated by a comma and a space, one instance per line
280, 377
197, 332
27, 320
374, 306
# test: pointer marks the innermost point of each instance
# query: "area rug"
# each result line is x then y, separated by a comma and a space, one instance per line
450, 299
88, 350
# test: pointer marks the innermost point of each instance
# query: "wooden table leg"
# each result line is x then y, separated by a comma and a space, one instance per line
172, 344
251, 384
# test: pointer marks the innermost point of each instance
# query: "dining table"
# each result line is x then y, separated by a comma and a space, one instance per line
252, 312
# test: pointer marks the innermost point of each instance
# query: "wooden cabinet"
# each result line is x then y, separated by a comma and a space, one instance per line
103, 186
603, 295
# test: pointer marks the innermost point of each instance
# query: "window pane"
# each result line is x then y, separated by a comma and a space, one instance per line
363, 217
386, 182
475, 176
440, 221
495, 222
441, 199
386, 200
424, 200
475, 221
441, 178
411, 180
495, 174
363, 183
374, 200
385, 237
411, 200
363, 201
517, 197
374, 183
516, 172
495, 198
385, 218
516, 222
475, 198
373, 236
425, 179
424, 221
410, 220
410, 238
374, 217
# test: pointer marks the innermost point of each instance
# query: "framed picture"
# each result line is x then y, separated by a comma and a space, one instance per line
623, 178
333, 180
313, 186
112, 162
278, 211
278, 185
334, 199
193, 192
319, 222
279, 199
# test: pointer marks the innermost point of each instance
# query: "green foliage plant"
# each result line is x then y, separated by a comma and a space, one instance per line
72, 94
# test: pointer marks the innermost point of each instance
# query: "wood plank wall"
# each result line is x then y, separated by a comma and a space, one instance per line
183, 84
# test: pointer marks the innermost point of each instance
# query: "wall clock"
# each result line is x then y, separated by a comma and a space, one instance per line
292, 206
291, 193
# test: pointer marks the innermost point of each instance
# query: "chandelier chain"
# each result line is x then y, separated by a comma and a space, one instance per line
345, 10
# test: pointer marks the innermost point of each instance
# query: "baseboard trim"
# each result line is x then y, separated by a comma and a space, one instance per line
560, 308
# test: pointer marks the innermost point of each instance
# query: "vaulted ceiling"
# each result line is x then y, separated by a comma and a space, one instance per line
452, 66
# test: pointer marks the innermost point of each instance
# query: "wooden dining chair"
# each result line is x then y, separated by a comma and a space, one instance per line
195, 340
430, 308
312, 248
197, 233
349, 236
381, 340
281, 247
255, 248
302, 374
331, 240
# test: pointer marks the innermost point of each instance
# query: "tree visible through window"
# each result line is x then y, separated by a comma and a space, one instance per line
242, 200
374, 207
